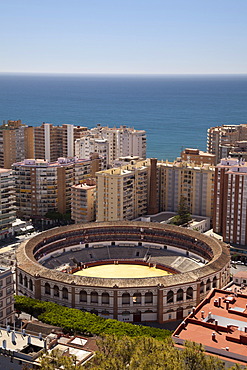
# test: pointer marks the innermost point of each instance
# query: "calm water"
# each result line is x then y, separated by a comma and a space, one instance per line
175, 111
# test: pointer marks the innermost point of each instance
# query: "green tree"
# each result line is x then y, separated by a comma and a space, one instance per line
184, 215
55, 360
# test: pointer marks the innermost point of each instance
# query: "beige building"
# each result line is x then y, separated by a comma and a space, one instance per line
7, 203
52, 142
230, 202
6, 296
16, 142
122, 193
193, 182
83, 197
221, 138
44, 186
197, 156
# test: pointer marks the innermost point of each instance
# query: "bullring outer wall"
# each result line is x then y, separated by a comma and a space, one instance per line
145, 299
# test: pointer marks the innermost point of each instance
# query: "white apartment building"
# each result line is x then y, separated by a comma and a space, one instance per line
122, 193
7, 203
6, 296
87, 145
123, 141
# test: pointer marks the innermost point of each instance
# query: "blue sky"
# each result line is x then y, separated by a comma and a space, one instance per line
124, 36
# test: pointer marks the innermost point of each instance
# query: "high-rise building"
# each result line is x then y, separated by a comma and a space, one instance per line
222, 138
14, 146
230, 200
195, 183
123, 141
83, 201
122, 193
52, 142
6, 296
89, 144
7, 202
44, 186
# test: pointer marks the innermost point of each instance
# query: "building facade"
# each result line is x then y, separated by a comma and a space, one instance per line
197, 156
83, 201
122, 192
195, 183
14, 146
43, 186
222, 138
7, 203
6, 296
87, 145
230, 201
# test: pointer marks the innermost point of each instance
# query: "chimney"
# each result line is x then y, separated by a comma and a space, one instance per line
213, 336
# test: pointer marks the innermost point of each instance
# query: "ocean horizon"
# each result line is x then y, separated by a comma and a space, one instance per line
175, 110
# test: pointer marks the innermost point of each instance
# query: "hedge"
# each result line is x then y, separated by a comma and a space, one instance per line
76, 321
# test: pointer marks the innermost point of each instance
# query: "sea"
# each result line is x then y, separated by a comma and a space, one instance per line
175, 111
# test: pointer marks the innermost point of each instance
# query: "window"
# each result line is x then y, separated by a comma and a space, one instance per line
56, 291
9, 290
137, 298
8, 310
83, 296
170, 296
65, 294
94, 297
180, 295
8, 300
208, 285
125, 298
47, 289
189, 293
202, 287
149, 297
8, 280
30, 284
105, 298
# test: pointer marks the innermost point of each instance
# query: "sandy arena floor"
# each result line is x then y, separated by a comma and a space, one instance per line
122, 271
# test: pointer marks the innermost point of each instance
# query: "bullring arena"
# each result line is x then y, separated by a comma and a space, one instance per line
130, 271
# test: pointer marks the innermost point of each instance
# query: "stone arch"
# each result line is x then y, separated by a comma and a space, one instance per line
47, 288
105, 298
83, 296
170, 297
202, 287
189, 293
149, 297
94, 297
65, 293
31, 284
125, 298
56, 291
215, 282
208, 285
21, 278
25, 282
180, 295
137, 298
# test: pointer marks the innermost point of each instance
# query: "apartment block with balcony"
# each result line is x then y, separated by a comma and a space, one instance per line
13, 143
43, 186
122, 193
193, 182
222, 139
123, 141
230, 200
83, 201
6, 296
89, 144
7, 203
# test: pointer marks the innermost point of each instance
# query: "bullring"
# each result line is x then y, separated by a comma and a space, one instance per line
46, 265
